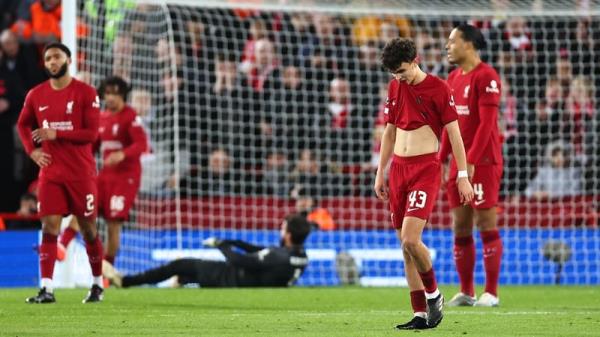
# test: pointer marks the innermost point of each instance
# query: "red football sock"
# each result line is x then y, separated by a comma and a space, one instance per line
464, 258
48, 255
418, 301
428, 279
95, 251
110, 259
492, 257
67, 235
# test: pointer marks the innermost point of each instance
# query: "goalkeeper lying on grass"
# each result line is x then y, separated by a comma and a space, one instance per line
257, 267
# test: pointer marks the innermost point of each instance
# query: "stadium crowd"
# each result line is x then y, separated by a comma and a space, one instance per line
267, 101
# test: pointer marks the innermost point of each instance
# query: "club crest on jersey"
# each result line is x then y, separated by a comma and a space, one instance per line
466, 93
493, 88
69, 107
96, 103
115, 129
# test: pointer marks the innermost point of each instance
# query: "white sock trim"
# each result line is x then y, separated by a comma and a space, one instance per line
421, 314
434, 294
47, 283
98, 281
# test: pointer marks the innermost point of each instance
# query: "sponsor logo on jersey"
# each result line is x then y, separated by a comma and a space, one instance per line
493, 88
463, 110
44, 107
61, 125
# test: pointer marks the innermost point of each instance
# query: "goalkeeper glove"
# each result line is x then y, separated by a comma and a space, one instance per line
211, 242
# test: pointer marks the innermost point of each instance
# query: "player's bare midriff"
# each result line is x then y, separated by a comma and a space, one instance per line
415, 142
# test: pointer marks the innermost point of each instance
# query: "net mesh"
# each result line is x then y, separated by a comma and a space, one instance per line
258, 109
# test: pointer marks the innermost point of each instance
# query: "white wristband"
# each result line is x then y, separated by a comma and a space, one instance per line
463, 174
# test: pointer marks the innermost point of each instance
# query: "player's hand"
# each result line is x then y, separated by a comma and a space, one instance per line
380, 189
114, 158
465, 190
470, 171
41, 158
211, 242
40, 135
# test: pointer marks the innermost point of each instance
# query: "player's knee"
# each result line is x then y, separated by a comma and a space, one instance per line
88, 233
461, 230
410, 245
486, 220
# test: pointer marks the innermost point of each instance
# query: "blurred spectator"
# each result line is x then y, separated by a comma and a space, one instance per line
11, 101
257, 31
549, 112
558, 177
333, 125
564, 72
276, 173
218, 179
229, 106
264, 73
44, 24
8, 11
430, 51
122, 49
368, 29
307, 203
21, 59
583, 50
518, 37
515, 122
295, 119
318, 177
579, 111
27, 209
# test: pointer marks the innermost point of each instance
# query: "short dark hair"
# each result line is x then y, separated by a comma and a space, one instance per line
58, 45
299, 227
123, 87
472, 34
397, 51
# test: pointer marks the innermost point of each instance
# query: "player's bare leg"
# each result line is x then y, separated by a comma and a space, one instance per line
93, 246
412, 245
66, 237
47, 256
417, 294
486, 220
114, 240
464, 256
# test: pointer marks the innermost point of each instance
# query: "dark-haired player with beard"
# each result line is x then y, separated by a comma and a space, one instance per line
61, 117
476, 88
258, 266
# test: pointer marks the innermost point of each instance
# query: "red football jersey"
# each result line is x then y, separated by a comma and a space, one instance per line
73, 112
427, 103
122, 131
474, 92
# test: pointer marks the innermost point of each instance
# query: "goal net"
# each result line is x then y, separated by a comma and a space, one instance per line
256, 109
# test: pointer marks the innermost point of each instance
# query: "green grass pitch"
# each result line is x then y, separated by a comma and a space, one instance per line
524, 311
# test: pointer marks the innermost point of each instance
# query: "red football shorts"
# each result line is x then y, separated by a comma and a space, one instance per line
414, 185
70, 197
486, 185
116, 195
